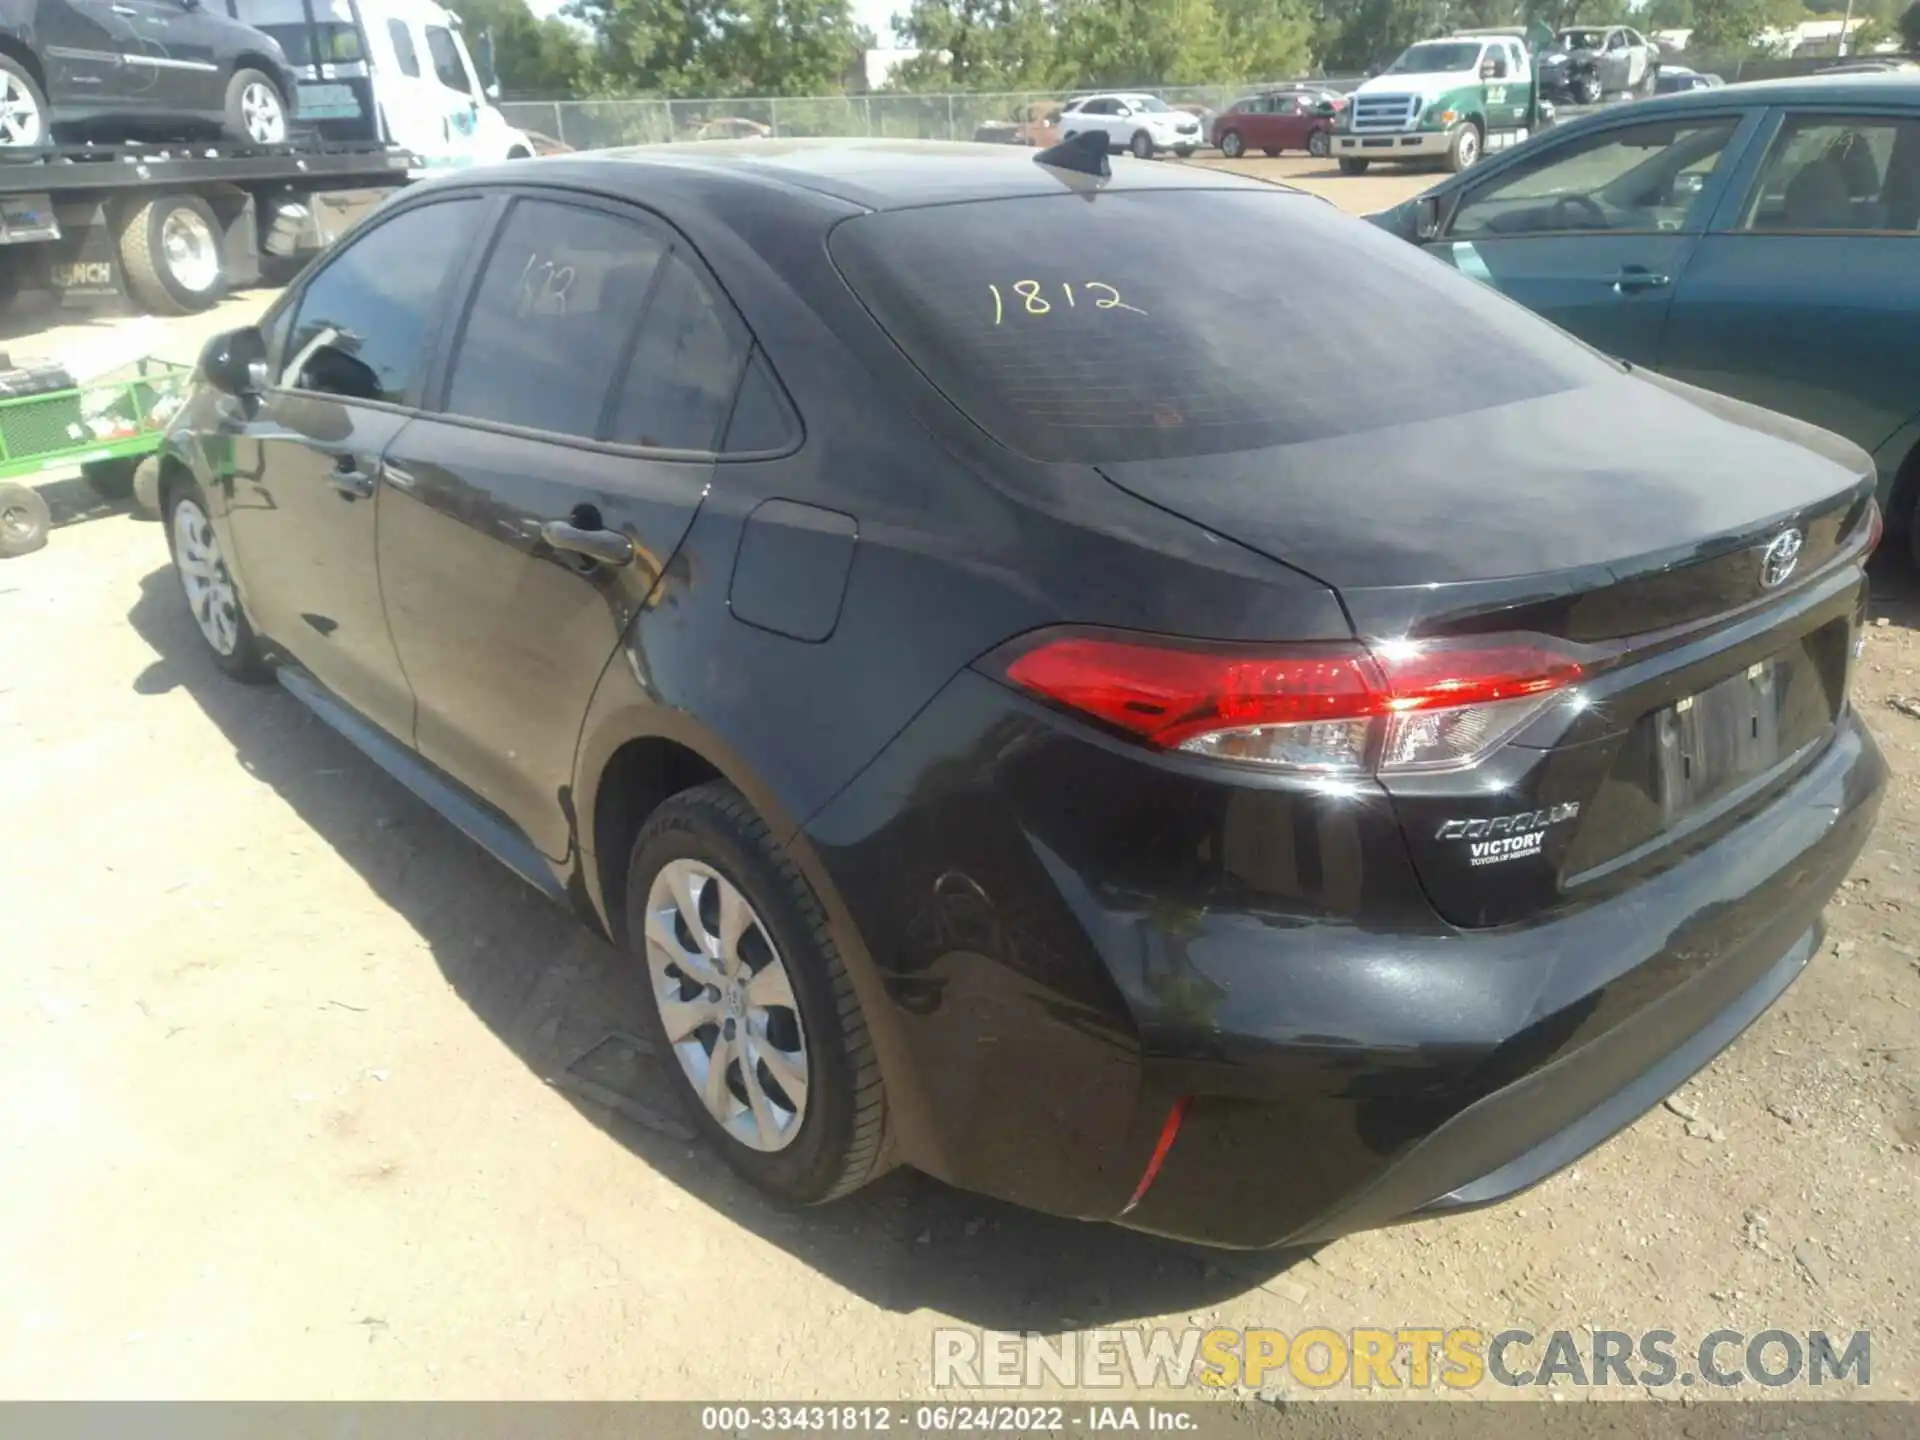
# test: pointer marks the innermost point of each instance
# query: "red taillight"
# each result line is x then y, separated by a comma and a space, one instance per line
1328, 709
1169, 1131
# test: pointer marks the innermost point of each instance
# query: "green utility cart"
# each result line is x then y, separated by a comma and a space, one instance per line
103, 428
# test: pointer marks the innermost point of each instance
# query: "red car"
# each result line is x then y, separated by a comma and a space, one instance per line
1279, 120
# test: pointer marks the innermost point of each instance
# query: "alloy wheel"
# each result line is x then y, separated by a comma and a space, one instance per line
263, 114
193, 255
21, 122
726, 1005
203, 575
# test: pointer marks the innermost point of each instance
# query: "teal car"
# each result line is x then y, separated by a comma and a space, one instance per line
1762, 240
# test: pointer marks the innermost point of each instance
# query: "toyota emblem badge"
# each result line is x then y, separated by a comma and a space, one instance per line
1779, 558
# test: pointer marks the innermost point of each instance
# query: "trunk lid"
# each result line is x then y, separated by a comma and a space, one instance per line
1634, 517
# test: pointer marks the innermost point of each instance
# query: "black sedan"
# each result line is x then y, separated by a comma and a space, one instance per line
1023, 724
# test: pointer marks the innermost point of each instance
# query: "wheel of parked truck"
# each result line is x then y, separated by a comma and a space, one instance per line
1232, 146
1586, 89
23, 106
1142, 145
212, 598
754, 1016
1351, 165
170, 255
256, 110
24, 520
1318, 144
109, 479
1463, 146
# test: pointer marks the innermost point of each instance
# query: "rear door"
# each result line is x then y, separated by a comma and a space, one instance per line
526, 521
173, 63
1592, 232
1804, 293
304, 498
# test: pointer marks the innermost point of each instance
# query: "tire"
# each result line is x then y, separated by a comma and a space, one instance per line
24, 104
170, 254
1183, 152
1463, 147
146, 488
831, 1139
1349, 165
1270, 151
1586, 89
24, 520
109, 479
256, 111
1232, 146
1319, 144
202, 571
1141, 145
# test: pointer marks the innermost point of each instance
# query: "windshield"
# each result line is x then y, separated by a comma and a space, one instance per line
334, 43
1583, 39
1047, 321
1435, 56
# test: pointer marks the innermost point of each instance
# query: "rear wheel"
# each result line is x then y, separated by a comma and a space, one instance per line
754, 1016
23, 107
1352, 166
170, 251
1142, 145
1463, 147
1318, 144
1183, 151
256, 112
24, 520
1232, 146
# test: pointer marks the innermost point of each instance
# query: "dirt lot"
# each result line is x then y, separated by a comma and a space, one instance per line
277, 1111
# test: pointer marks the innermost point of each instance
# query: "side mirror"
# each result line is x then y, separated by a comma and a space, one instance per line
493, 91
1426, 218
236, 363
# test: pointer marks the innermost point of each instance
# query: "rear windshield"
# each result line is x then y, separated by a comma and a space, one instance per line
1135, 325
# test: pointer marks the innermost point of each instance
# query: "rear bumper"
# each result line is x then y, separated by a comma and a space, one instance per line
1411, 145
1067, 937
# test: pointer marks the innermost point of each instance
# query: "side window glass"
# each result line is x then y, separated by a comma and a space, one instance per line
1636, 178
446, 58
364, 320
680, 385
403, 50
760, 420
1834, 173
553, 318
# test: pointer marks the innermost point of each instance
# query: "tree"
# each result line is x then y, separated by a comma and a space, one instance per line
1909, 27
1726, 26
531, 57
1670, 15
1142, 42
752, 47
976, 44
1267, 39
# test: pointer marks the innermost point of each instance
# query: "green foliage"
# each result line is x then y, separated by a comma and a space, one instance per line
1726, 26
531, 57
1670, 15
1143, 42
753, 47
976, 45
1909, 27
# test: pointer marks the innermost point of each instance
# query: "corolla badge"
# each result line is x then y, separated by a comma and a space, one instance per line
1779, 558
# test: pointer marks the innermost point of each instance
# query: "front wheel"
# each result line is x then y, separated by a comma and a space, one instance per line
24, 520
255, 110
1318, 144
754, 1016
1349, 165
1463, 149
1142, 145
23, 107
1232, 146
1586, 90
208, 585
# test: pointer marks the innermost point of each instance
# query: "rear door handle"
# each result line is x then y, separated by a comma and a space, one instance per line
609, 547
1634, 277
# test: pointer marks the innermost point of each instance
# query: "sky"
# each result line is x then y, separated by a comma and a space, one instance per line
876, 15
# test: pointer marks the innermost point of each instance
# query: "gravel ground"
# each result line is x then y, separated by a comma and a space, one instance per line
279, 1113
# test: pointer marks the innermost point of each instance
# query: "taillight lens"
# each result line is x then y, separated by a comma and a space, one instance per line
1392, 707
1876, 526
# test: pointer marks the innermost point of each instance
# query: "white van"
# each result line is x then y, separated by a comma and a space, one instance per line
393, 70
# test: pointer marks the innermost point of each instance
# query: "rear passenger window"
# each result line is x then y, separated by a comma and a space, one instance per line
362, 323
760, 420
553, 319
403, 50
679, 389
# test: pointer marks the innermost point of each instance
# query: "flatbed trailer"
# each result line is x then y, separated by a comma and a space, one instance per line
174, 227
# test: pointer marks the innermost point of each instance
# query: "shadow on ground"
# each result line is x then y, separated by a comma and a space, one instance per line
551, 991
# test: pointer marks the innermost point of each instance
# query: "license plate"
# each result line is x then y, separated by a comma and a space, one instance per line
328, 102
1710, 742
27, 218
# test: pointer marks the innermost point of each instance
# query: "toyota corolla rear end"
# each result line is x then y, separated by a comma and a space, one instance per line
1271, 927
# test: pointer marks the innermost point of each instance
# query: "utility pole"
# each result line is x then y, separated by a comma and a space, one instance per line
1845, 26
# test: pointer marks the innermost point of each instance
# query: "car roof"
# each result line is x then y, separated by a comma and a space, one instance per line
1896, 89
870, 174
